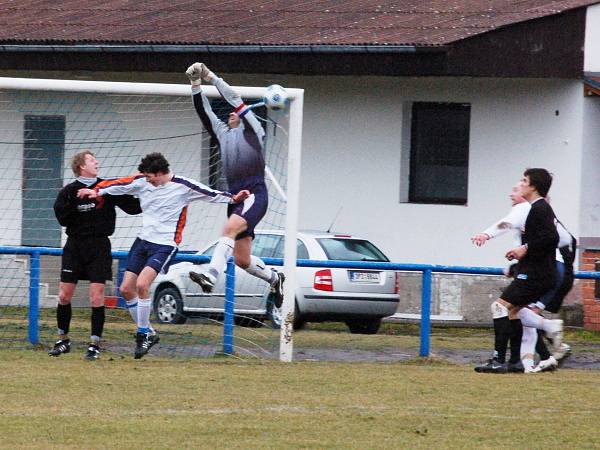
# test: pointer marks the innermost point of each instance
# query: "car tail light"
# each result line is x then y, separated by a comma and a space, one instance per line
323, 280
397, 284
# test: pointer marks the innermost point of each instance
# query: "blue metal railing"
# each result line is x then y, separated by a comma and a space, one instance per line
426, 269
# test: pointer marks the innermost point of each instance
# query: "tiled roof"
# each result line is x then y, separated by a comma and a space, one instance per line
264, 22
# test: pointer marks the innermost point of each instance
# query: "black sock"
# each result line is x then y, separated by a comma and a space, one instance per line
541, 347
501, 335
516, 333
98, 316
63, 318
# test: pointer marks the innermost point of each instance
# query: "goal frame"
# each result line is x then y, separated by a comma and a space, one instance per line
296, 106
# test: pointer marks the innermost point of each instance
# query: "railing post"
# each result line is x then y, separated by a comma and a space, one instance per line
425, 312
229, 307
34, 297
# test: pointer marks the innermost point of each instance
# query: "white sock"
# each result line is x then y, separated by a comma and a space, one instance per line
132, 306
530, 319
143, 314
223, 250
258, 269
528, 342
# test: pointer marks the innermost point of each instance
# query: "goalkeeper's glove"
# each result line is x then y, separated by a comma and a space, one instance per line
198, 71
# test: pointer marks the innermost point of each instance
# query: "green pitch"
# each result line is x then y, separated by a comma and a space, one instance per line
159, 403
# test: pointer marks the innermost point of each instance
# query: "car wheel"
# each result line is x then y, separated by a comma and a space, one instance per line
274, 315
364, 326
168, 306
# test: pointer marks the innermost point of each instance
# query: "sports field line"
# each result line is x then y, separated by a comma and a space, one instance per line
423, 411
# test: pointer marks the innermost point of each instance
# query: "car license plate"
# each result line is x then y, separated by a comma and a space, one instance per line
364, 277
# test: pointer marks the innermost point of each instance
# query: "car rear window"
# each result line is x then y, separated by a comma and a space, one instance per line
351, 250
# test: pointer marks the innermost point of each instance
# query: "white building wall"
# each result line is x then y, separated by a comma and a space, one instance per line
352, 153
354, 144
591, 61
11, 169
590, 176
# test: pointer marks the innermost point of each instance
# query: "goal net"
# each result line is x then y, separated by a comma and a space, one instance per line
45, 122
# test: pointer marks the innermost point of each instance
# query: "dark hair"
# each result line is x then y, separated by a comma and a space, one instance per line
539, 178
154, 163
78, 160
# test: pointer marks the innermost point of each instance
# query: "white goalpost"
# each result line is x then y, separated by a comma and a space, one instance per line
120, 122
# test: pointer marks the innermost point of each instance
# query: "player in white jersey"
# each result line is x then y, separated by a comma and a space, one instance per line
515, 222
164, 198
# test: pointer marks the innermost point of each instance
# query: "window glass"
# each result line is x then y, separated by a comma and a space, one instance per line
439, 153
302, 252
351, 250
265, 245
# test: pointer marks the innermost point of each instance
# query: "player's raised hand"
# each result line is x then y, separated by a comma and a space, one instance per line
193, 73
240, 196
197, 72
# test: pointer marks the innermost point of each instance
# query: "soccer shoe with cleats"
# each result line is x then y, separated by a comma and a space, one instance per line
93, 352
142, 345
562, 353
153, 339
277, 290
515, 367
204, 280
547, 365
555, 333
492, 366
60, 347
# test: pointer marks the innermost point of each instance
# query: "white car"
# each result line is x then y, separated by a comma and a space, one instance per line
358, 297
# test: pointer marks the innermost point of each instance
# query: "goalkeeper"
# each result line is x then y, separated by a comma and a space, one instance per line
241, 146
87, 252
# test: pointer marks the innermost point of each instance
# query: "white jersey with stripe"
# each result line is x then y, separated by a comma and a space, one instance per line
164, 208
515, 221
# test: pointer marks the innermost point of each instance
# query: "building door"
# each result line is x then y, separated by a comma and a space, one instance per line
43, 153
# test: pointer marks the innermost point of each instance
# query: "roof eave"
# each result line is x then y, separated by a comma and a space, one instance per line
222, 48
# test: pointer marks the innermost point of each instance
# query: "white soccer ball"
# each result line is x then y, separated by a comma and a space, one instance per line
276, 97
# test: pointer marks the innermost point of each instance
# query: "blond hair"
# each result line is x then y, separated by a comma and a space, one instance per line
78, 160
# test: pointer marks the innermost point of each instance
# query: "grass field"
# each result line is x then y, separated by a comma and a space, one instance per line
118, 402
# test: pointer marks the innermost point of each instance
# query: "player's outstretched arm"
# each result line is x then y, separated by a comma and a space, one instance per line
212, 124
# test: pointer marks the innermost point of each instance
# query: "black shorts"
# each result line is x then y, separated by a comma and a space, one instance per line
565, 287
522, 292
253, 209
86, 259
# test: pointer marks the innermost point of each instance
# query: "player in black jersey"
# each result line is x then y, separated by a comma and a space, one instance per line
536, 271
87, 252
